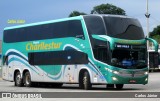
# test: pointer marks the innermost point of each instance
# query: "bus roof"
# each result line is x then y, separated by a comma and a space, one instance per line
64, 19
43, 22
110, 15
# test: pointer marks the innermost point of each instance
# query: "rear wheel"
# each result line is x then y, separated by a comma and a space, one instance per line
119, 86
27, 79
18, 80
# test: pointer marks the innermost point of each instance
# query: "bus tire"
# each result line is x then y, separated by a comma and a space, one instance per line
27, 79
110, 86
18, 80
119, 86
86, 81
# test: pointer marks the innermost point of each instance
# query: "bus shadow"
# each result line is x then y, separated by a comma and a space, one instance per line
114, 89
76, 87
93, 88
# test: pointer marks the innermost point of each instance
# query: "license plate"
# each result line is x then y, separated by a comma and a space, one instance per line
132, 81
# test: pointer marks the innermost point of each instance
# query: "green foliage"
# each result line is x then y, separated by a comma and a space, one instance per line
155, 34
102, 9
76, 13
156, 31
107, 9
157, 38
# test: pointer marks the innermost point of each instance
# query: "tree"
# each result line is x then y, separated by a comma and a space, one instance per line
107, 9
156, 31
155, 34
76, 13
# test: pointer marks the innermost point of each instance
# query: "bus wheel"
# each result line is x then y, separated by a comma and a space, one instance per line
119, 86
27, 79
86, 81
18, 80
110, 86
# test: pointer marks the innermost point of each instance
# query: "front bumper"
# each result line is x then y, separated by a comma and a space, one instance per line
127, 77
114, 79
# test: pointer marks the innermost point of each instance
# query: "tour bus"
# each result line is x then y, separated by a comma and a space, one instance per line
87, 50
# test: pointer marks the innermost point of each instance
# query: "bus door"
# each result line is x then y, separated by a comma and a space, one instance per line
153, 60
7, 72
103, 54
153, 56
5, 68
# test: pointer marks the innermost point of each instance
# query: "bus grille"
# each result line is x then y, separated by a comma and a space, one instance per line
131, 74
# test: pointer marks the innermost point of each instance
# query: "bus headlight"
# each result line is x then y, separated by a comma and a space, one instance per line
146, 73
114, 78
146, 79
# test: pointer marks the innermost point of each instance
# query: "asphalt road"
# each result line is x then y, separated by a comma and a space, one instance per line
152, 86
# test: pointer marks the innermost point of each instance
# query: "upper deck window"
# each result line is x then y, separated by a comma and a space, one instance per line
95, 25
72, 28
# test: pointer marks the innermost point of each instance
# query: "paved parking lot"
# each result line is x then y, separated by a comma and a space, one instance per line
152, 86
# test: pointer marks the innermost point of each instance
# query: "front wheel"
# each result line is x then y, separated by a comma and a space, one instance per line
86, 81
27, 79
110, 86
119, 86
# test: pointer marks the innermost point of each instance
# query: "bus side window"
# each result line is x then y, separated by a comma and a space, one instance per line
5, 60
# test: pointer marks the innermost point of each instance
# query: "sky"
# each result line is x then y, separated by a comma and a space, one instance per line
32, 11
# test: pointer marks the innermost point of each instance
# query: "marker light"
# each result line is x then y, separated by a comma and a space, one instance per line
116, 72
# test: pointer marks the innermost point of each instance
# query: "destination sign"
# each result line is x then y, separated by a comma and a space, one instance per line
129, 46
122, 46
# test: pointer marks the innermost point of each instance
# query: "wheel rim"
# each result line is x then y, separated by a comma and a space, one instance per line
84, 81
18, 78
27, 79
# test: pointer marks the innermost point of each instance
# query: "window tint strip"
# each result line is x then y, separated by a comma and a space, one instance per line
68, 57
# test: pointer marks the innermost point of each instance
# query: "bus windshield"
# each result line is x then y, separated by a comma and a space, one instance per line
124, 28
129, 56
